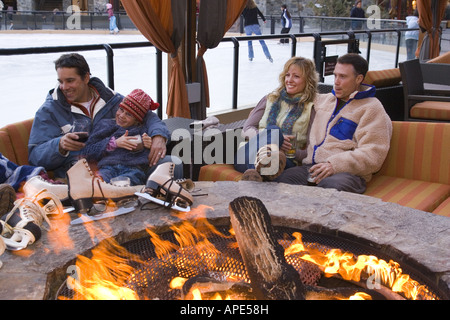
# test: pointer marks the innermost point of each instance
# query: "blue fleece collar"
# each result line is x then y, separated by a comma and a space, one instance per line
368, 92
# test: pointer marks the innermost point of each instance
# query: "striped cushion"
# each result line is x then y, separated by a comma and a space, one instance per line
419, 151
19, 134
443, 58
443, 209
6, 148
219, 172
421, 195
433, 110
383, 78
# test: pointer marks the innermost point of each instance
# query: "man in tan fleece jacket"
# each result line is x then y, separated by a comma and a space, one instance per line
350, 134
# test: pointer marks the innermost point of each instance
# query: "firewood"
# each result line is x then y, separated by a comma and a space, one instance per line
271, 277
208, 287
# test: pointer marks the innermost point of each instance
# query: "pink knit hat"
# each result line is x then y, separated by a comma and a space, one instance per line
138, 103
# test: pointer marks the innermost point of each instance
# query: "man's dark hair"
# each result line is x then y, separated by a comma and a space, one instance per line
359, 63
73, 60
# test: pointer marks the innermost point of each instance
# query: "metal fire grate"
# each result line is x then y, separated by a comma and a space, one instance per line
150, 280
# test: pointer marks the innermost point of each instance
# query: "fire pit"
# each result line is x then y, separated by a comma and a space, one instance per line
154, 276
415, 239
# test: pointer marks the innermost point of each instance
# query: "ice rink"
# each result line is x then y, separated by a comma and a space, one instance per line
26, 79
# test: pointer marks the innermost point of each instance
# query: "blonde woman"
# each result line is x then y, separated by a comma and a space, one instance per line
278, 117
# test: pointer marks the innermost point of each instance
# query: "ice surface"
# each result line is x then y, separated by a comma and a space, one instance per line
26, 79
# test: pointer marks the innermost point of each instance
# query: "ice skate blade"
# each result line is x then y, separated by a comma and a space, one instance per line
163, 203
68, 209
85, 218
11, 248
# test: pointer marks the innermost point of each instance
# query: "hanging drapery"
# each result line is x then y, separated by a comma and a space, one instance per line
214, 19
393, 11
162, 22
431, 13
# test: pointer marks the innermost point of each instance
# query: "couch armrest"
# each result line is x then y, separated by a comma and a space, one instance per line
6, 147
19, 134
436, 73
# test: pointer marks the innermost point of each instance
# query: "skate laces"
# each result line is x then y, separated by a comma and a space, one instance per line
187, 184
172, 197
270, 161
32, 210
264, 155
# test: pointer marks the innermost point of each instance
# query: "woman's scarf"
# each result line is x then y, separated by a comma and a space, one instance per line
295, 112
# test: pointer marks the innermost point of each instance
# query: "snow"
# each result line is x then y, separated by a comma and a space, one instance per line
26, 79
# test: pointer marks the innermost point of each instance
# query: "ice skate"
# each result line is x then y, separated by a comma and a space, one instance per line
37, 184
187, 184
85, 188
2, 245
22, 225
251, 175
163, 189
270, 162
7, 198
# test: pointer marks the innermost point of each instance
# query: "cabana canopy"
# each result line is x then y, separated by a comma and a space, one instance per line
163, 23
431, 13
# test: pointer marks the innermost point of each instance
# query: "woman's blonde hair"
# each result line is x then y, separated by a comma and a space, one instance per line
308, 69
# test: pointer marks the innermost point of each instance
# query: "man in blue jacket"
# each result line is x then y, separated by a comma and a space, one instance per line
52, 143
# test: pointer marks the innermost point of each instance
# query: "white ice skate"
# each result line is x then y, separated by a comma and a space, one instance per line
22, 225
2, 245
85, 188
270, 162
163, 189
37, 184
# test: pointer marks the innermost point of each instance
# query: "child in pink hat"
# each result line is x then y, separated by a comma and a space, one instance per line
120, 146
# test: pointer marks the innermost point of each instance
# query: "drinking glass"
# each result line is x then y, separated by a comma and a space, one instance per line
81, 128
298, 142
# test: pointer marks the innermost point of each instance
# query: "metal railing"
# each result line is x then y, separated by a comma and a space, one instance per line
98, 19
50, 20
350, 38
308, 24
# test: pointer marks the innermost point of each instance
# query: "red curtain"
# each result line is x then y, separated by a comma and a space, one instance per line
162, 23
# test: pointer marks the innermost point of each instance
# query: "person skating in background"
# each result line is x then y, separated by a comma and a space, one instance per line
286, 22
251, 25
112, 19
357, 12
412, 37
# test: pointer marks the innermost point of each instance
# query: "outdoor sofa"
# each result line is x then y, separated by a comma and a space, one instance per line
416, 172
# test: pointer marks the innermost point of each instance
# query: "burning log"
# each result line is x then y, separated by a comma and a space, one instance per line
209, 287
271, 276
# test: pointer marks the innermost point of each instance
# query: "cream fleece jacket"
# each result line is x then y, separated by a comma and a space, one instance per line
356, 139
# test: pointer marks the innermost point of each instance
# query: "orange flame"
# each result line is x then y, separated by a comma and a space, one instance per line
103, 276
334, 261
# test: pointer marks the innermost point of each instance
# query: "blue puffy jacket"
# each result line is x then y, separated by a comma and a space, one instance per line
55, 118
